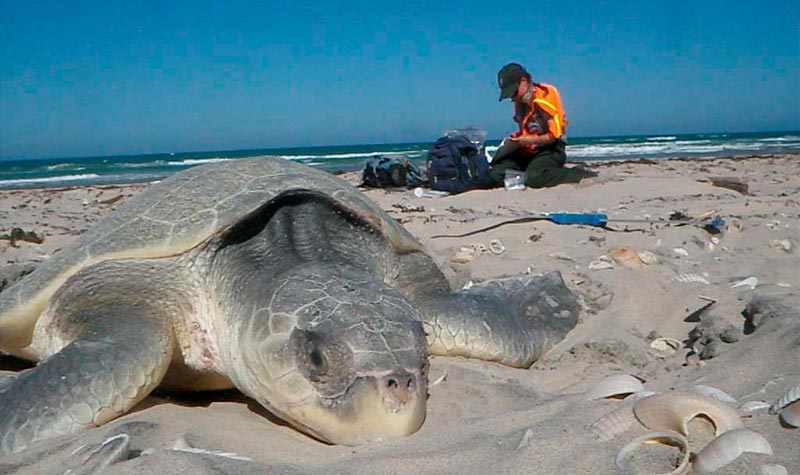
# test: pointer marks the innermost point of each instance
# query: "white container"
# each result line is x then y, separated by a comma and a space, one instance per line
420, 192
514, 180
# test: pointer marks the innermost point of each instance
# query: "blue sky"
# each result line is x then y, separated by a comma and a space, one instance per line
100, 78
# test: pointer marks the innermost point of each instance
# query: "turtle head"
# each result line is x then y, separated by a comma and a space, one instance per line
343, 359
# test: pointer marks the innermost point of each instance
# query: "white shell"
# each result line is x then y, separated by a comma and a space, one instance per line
496, 246
648, 257
717, 394
673, 411
692, 279
602, 262
657, 436
681, 251
748, 282
791, 414
463, 256
619, 420
728, 447
666, 345
772, 469
753, 406
614, 385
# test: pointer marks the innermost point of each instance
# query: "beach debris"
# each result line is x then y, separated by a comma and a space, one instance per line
666, 437
751, 282
626, 257
468, 285
681, 251
784, 245
497, 247
666, 345
728, 447
620, 419
731, 183
717, 394
692, 279
526, 439
90, 459
439, 380
772, 469
672, 411
753, 406
19, 234
734, 225
560, 256
111, 201
420, 192
788, 406
463, 256
602, 262
613, 386
647, 257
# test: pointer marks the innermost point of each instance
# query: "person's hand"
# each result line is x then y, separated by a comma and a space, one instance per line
527, 140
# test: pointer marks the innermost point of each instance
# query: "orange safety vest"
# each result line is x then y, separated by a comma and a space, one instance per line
543, 114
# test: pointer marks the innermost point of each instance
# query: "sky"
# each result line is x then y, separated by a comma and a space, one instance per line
82, 78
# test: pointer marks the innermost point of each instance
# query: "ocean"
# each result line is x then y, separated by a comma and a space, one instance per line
119, 169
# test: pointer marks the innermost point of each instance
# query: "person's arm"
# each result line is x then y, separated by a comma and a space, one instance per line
535, 140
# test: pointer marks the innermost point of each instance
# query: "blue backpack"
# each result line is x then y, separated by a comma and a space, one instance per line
456, 165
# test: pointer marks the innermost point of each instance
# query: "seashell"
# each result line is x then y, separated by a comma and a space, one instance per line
647, 257
602, 262
715, 240
666, 345
526, 439
692, 279
670, 436
674, 410
626, 257
782, 244
619, 420
728, 447
561, 256
463, 256
748, 282
496, 246
753, 406
772, 469
791, 414
790, 396
614, 385
681, 251
717, 394
479, 248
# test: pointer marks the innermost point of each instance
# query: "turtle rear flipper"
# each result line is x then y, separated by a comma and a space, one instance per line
511, 321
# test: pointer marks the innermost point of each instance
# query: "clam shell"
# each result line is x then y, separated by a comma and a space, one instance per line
717, 394
790, 396
648, 257
692, 279
728, 447
619, 420
614, 385
674, 437
626, 257
673, 411
791, 414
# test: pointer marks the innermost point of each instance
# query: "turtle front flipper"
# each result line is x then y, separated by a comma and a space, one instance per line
117, 347
511, 321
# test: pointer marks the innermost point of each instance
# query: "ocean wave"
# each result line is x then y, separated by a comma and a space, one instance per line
352, 155
197, 161
664, 138
49, 179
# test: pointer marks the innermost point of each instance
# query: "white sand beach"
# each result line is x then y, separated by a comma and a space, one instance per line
484, 418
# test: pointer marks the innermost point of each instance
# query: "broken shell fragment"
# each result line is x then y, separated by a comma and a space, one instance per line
668, 437
647, 257
717, 394
496, 246
753, 406
463, 256
790, 396
626, 257
614, 385
748, 282
728, 447
619, 420
673, 411
666, 345
772, 469
602, 262
692, 279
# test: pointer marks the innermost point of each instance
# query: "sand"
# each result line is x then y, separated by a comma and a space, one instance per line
483, 417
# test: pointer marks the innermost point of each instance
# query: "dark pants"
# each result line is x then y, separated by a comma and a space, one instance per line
544, 167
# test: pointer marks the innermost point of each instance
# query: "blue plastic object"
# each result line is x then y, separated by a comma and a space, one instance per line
589, 219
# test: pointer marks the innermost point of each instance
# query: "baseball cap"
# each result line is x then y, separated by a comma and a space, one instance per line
508, 79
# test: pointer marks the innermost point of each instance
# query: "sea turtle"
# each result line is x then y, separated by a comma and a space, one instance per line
266, 275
